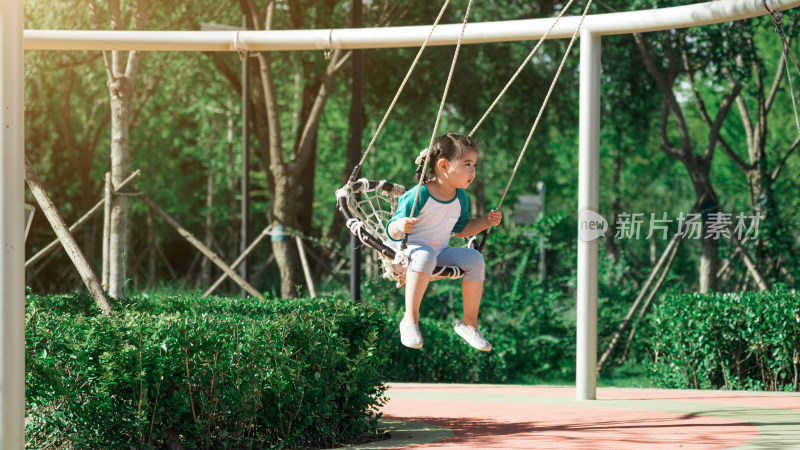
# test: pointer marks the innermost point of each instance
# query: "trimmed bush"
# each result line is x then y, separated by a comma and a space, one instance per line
747, 340
524, 320
530, 341
445, 357
202, 373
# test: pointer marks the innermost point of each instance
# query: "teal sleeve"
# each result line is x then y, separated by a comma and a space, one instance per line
464, 217
404, 207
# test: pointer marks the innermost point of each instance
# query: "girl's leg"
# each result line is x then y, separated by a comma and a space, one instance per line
471, 291
422, 261
416, 283
471, 262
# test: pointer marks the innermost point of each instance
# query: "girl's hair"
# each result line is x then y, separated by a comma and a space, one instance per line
450, 147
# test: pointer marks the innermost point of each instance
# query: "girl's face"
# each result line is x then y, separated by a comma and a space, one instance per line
459, 173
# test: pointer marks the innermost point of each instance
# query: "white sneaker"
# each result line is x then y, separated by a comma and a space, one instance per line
473, 336
410, 335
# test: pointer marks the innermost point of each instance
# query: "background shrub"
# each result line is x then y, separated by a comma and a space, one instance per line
205, 373
445, 357
527, 322
748, 340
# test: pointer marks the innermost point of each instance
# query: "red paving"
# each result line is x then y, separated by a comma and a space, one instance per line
546, 417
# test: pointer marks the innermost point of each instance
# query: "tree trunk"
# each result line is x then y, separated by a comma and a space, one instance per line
120, 91
709, 262
283, 214
121, 75
699, 170
754, 116
304, 194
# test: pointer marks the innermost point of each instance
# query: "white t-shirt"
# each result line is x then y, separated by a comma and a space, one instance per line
437, 219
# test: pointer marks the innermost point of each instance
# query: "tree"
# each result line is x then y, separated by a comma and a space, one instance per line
66, 120
288, 148
121, 74
287, 165
698, 165
745, 62
667, 60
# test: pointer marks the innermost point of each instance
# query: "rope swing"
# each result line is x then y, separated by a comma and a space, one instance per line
438, 119
367, 205
777, 21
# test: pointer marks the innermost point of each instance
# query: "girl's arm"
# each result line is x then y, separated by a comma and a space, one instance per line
401, 226
478, 224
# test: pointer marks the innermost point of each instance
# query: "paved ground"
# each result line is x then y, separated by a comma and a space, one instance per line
481, 416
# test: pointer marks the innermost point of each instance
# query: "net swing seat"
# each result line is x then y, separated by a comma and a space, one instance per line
368, 205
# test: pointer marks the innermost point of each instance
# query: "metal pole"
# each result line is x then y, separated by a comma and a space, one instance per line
588, 199
542, 264
641, 21
356, 130
12, 258
109, 191
245, 213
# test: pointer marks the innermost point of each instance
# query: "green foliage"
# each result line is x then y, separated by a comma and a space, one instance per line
185, 104
445, 357
205, 373
524, 319
183, 101
531, 342
745, 340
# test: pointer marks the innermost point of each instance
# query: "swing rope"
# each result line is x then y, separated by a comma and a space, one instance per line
438, 119
777, 21
366, 226
519, 70
539, 115
544, 103
357, 169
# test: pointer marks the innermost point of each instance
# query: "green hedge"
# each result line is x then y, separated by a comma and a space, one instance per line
527, 322
746, 340
530, 342
205, 373
444, 358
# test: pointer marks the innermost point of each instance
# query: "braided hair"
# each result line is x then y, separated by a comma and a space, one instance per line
450, 147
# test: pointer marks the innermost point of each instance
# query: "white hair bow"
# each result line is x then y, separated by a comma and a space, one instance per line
422, 155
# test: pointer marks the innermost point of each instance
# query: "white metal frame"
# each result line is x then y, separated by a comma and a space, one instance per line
12, 229
12, 40
588, 198
392, 37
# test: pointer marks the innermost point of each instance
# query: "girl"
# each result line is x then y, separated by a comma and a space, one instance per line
442, 209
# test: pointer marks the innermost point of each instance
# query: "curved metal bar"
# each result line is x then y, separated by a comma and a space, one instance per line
393, 37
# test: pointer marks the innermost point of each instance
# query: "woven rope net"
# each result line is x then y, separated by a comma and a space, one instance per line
367, 205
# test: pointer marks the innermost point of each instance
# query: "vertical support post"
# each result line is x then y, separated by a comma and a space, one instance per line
588, 199
356, 130
12, 257
245, 211
106, 282
540, 186
306, 269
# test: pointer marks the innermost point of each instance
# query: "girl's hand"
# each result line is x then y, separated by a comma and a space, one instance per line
495, 217
405, 225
